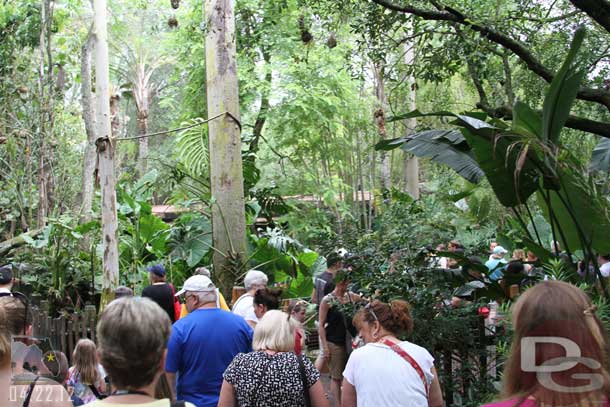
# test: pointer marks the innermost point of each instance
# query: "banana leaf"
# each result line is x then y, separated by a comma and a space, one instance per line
581, 212
448, 147
562, 92
600, 159
499, 158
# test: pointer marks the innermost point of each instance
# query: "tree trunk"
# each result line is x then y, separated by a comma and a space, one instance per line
379, 116
105, 150
411, 162
44, 109
142, 142
89, 160
226, 174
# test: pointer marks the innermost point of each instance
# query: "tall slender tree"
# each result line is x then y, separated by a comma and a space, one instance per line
411, 162
106, 151
380, 121
226, 175
88, 114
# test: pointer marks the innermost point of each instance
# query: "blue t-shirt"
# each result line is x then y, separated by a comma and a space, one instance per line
496, 268
200, 348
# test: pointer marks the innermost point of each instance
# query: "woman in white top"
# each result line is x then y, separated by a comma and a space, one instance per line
386, 371
244, 307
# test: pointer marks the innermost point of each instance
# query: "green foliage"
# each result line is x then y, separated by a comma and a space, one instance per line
191, 239
448, 147
192, 148
285, 260
445, 331
528, 158
59, 267
562, 92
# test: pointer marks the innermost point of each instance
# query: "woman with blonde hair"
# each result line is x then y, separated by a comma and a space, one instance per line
558, 355
386, 371
86, 377
519, 255
272, 375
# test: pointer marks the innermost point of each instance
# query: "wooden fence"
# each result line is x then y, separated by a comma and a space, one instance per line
65, 331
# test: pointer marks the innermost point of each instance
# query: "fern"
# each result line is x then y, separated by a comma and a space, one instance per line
555, 270
192, 148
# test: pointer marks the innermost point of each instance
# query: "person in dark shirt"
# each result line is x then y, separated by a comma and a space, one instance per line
160, 291
6, 280
334, 263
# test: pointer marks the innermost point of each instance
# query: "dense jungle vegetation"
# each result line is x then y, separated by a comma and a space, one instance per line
382, 127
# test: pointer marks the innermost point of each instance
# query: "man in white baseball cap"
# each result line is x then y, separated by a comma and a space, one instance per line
203, 344
497, 263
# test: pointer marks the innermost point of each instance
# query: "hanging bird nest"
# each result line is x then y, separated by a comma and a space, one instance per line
331, 42
175, 4
306, 36
172, 22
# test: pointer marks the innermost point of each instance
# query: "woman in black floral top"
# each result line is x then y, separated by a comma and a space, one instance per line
272, 375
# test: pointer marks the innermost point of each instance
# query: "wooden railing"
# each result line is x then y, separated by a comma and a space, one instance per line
64, 332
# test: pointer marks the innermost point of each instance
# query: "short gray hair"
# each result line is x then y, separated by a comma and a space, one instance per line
205, 296
275, 331
255, 278
132, 335
204, 271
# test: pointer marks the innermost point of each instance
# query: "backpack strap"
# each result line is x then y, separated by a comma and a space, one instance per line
28, 395
304, 380
96, 392
402, 353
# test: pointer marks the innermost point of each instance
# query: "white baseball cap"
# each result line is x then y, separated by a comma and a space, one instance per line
197, 283
499, 250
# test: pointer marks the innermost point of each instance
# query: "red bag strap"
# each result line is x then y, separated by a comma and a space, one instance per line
401, 352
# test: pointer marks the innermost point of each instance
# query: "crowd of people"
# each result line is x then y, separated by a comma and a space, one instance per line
157, 351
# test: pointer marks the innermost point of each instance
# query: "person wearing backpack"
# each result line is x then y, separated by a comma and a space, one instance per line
86, 377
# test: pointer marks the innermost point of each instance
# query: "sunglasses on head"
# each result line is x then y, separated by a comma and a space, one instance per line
369, 308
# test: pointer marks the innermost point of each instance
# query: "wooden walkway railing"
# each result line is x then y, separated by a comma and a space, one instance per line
65, 331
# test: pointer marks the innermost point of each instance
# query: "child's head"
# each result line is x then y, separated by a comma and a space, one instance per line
85, 360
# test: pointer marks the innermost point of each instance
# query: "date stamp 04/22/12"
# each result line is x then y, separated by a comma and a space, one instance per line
49, 394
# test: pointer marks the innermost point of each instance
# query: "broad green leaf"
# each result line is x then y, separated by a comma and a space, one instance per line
580, 212
197, 248
474, 123
497, 157
150, 227
562, 92
416, 113
600, 159
308, 258
525, 121
446, 147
